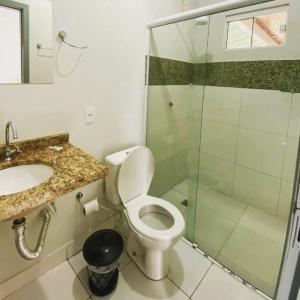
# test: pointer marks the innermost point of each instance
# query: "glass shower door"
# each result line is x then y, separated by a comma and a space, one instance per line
246, 172
225, 137
174, 113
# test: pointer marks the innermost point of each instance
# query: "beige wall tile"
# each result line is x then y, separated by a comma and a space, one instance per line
219, 140
261, 151
222, 104
159, 111
169, 140
290, 159
168, 173
256, 189
285, 200
216, 173
265, 110
294, 124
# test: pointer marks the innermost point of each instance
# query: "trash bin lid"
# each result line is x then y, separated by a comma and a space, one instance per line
103, 248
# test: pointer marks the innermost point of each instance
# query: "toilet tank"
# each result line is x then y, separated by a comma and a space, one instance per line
113, 163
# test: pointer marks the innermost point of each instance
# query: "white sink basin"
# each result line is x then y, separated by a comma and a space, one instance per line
21, 178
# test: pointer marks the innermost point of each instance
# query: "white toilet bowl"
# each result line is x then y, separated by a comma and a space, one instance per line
155, 224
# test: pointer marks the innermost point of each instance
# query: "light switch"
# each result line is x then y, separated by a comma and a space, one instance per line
90, 115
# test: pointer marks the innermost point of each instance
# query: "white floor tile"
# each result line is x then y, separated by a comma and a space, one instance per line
33, 273
218, 285
132, 282
188, 267
59, 283
134, 285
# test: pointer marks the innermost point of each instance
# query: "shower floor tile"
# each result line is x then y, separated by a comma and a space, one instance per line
246, 240
264, 224
212, 230
253, 257
221, 204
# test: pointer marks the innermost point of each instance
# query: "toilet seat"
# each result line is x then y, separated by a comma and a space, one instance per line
134, 208
134, 180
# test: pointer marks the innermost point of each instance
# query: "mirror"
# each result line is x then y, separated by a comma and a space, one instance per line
26, 42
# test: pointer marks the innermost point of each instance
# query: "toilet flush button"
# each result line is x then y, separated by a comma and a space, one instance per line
89, 114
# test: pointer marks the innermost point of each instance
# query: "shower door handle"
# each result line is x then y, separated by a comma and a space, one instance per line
296, 231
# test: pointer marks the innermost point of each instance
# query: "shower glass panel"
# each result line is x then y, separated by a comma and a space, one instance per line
225, 143
175, 111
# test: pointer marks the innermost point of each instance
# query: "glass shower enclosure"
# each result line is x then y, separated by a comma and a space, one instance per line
224, 129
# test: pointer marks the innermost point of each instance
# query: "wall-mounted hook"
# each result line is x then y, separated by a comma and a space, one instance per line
40, 47
63, 34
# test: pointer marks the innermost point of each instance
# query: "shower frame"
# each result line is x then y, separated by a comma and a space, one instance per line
207, 11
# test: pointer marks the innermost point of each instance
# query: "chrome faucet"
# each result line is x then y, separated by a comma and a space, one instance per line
8, 150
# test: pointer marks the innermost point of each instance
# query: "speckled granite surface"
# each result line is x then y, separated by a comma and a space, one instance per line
72, 169
56, 139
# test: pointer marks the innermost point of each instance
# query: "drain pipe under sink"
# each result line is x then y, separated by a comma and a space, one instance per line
21, 245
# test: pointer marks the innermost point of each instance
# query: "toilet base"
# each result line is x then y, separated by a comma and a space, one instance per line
153, 263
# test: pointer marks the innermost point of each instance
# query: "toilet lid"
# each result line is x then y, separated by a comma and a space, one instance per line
135, 174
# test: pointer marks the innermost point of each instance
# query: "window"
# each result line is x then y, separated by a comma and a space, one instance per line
260, 29
11, 39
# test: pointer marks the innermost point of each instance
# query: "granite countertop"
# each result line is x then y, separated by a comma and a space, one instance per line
73, 168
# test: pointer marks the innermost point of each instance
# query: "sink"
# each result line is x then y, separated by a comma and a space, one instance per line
24, 177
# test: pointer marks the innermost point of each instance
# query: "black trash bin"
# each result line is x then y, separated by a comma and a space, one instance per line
101, 251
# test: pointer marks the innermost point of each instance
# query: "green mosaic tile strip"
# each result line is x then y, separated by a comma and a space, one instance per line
200, 74
281, 75
163, 71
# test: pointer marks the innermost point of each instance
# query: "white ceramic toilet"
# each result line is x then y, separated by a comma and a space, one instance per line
155, 224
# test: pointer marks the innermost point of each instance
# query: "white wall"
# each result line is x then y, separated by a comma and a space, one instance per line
108, 75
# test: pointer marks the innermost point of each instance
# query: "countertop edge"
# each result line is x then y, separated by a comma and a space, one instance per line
26, 211
69, 175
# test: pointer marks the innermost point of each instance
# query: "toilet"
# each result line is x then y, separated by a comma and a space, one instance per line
155, 225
